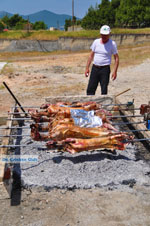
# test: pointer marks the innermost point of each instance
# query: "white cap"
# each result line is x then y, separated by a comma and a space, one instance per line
105, 30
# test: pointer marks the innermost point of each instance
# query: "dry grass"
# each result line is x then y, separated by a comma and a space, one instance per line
19, 56
133, 54
2, 87
7, 69
12, 56
131, 31
129, 55
54, 35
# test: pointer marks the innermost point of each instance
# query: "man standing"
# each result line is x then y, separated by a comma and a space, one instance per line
102, 50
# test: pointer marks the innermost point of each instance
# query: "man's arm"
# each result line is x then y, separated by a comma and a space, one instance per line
89, 63
114, 74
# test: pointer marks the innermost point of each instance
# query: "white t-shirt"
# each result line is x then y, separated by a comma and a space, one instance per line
103, 52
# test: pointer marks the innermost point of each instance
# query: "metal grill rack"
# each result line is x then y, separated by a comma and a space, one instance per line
18, 121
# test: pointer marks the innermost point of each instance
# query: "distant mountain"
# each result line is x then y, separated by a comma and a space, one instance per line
50, 19
3, 13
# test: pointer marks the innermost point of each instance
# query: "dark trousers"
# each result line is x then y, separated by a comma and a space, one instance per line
98, 75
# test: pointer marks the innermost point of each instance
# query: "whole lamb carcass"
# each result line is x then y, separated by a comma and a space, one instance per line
54, 109
113, 142
63, 131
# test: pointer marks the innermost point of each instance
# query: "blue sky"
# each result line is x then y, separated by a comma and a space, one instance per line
26, 7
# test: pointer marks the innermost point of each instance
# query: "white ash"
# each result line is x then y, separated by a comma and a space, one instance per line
83, 170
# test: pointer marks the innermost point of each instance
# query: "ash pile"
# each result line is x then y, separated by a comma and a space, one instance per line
101, 168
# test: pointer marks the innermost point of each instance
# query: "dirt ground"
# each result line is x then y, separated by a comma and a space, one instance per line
31, 80
78, 207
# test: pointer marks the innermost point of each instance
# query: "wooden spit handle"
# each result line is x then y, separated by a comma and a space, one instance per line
122, 92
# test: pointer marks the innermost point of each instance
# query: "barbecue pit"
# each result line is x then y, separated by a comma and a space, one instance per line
98, 168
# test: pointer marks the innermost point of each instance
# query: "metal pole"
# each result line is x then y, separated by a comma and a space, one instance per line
15, 98
73, 15
25, 135
27, 127
113, 117
139, 140
20, 119
125, 109
115, 104
41, 145
127, 123
14, 127
28, 25
21, 145
29, 107
124, 116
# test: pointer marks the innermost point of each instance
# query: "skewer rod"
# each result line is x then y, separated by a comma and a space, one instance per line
116, 104
126, 109
13, 127
124, 116
114, 124
135, 130
115, 116
20, 119
29, 107
38, 146
22, 145
17, 127
142, 139
124, 131
100, 103
127, 123
28, 127
13, 135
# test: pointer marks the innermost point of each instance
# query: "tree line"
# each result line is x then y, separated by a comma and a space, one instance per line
16, 22
116, 13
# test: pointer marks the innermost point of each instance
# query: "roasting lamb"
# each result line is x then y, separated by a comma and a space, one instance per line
63, 130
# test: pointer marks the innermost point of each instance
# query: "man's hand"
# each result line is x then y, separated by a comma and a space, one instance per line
88, 64
114, 76
86, 72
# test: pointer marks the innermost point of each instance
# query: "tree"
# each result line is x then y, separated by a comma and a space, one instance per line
91, 21
78, 22
105, 13
133, 13
39, 25
145, 3
20, 25
100, 15
14, 20
113, 8
1, 26
146, 21
115, 4
5, 19
125, 15
68, 23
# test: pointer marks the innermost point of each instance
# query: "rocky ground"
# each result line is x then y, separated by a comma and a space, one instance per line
31, 80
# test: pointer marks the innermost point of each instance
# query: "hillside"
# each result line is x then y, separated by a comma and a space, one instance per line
50, 19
